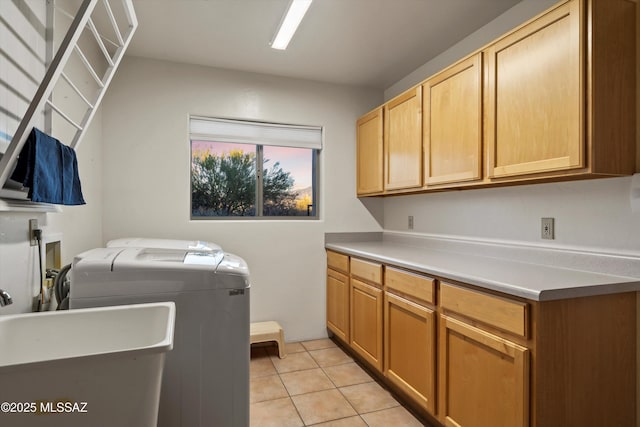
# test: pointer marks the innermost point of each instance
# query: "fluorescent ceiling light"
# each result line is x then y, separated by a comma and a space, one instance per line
290, 23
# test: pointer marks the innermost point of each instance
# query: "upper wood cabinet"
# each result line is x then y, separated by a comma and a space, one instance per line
554, 99
560, 94
403, 141
369, 152
452, 123
535, 97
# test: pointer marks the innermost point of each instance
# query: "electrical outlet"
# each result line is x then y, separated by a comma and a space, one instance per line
410, 224
33, 225
547, 229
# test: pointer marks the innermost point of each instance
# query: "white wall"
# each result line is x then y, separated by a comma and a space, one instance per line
80, 227
592, 214
18, 261
510, 19
146, 175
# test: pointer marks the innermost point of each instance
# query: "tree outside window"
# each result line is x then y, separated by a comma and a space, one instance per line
248, 180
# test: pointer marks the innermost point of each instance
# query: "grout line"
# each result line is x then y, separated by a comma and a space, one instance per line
394, 394
335, 387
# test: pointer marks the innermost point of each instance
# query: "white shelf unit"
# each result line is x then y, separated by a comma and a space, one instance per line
98, 36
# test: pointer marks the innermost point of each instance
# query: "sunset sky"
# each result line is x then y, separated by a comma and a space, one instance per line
294, 160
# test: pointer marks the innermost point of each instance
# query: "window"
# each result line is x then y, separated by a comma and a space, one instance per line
251, 169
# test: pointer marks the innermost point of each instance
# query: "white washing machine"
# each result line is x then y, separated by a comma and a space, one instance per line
143, 242
206, 376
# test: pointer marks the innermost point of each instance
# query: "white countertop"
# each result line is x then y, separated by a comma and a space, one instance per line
529, 280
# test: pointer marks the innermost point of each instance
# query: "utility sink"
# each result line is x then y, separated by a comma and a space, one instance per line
85, 366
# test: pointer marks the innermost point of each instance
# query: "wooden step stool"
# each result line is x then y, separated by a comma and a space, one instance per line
268, 331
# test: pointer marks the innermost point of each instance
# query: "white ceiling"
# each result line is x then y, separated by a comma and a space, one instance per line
370, 43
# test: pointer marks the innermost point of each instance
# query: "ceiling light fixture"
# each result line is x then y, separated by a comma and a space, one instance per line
290, 23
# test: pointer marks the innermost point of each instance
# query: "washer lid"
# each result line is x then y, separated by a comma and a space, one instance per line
141, 242
166, 259
95, 260
121, 259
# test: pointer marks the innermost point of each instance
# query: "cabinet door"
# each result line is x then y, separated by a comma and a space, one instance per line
535, 97
409, 349
338, 304
452, 123
484, 379
403, 141
366, 322
369, 166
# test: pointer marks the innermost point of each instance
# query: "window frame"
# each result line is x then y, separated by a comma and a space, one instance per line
259, 193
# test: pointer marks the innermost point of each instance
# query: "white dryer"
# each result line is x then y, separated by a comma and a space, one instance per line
206, 377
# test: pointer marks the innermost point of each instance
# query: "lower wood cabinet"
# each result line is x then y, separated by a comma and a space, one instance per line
470, 357
338, 304
366, 322
484, 379
409, 349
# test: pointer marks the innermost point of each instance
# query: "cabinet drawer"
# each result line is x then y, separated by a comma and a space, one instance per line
414, 285
508, 315
338, 261
369, 271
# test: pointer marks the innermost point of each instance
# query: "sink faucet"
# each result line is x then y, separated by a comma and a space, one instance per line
5, 298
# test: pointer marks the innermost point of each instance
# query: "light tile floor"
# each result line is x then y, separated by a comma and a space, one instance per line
318, 384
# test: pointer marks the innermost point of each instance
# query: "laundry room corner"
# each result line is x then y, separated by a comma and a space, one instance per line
147, 171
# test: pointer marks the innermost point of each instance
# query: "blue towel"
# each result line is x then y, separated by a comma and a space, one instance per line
50, 170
